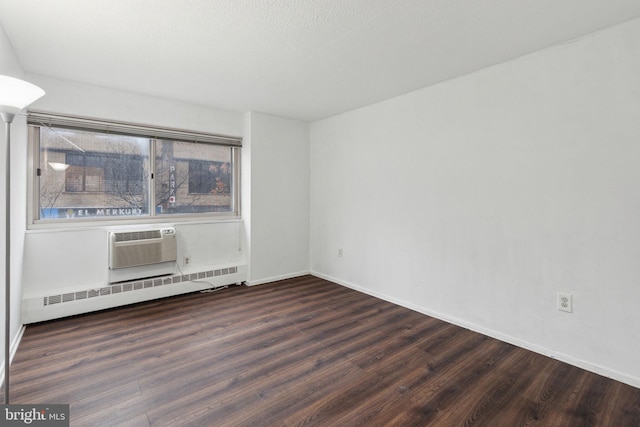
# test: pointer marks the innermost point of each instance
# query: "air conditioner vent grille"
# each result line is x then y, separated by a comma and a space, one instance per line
137, 235
139, 248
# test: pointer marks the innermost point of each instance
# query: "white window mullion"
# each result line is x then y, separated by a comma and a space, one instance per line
151, 181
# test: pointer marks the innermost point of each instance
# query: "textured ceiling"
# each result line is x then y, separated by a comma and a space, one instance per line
304, 59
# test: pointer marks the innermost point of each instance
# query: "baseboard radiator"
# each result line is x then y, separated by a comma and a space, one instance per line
80, 299
141, 254
136, 285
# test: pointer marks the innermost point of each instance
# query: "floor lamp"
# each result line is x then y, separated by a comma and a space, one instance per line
15, 94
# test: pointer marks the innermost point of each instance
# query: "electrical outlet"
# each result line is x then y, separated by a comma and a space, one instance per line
186, 260
565, 302
340, 252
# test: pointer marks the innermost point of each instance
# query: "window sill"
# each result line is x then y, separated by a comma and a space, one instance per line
88, 225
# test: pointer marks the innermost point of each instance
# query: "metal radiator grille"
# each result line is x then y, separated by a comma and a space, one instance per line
135, 286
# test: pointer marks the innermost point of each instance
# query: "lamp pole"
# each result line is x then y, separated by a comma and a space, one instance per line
15, 95
8, 119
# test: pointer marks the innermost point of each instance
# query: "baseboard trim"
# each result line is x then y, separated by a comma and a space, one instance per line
13, 349
597, 369
276, 278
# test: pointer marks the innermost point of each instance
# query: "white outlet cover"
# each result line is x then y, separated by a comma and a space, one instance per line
565, 302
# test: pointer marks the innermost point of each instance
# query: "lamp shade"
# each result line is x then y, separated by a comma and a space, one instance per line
16, 94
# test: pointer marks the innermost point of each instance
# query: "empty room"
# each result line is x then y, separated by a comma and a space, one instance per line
320, 212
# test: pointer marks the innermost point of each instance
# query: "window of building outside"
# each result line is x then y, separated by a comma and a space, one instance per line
88, 174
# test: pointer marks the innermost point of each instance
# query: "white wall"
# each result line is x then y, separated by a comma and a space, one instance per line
478, 199
10, 66
278, 204
103, 103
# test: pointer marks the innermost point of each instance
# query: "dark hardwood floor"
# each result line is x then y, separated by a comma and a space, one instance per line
300, 352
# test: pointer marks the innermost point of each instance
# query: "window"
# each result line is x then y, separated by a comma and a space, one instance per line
93, 170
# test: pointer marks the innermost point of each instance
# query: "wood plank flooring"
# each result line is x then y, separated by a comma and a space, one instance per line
299, 352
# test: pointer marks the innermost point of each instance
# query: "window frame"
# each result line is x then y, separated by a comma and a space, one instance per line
37, 119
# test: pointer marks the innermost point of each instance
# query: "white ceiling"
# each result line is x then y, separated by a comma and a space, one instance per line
303, 59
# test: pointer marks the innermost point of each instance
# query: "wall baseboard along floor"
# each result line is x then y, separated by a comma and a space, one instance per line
600, 370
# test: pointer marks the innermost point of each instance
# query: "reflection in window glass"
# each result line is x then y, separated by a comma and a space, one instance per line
193, 178
90, 174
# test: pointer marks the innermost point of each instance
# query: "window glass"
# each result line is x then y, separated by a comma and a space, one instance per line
193, 178
89, 174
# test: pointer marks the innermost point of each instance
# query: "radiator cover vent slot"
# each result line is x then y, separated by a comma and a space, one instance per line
135, 286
